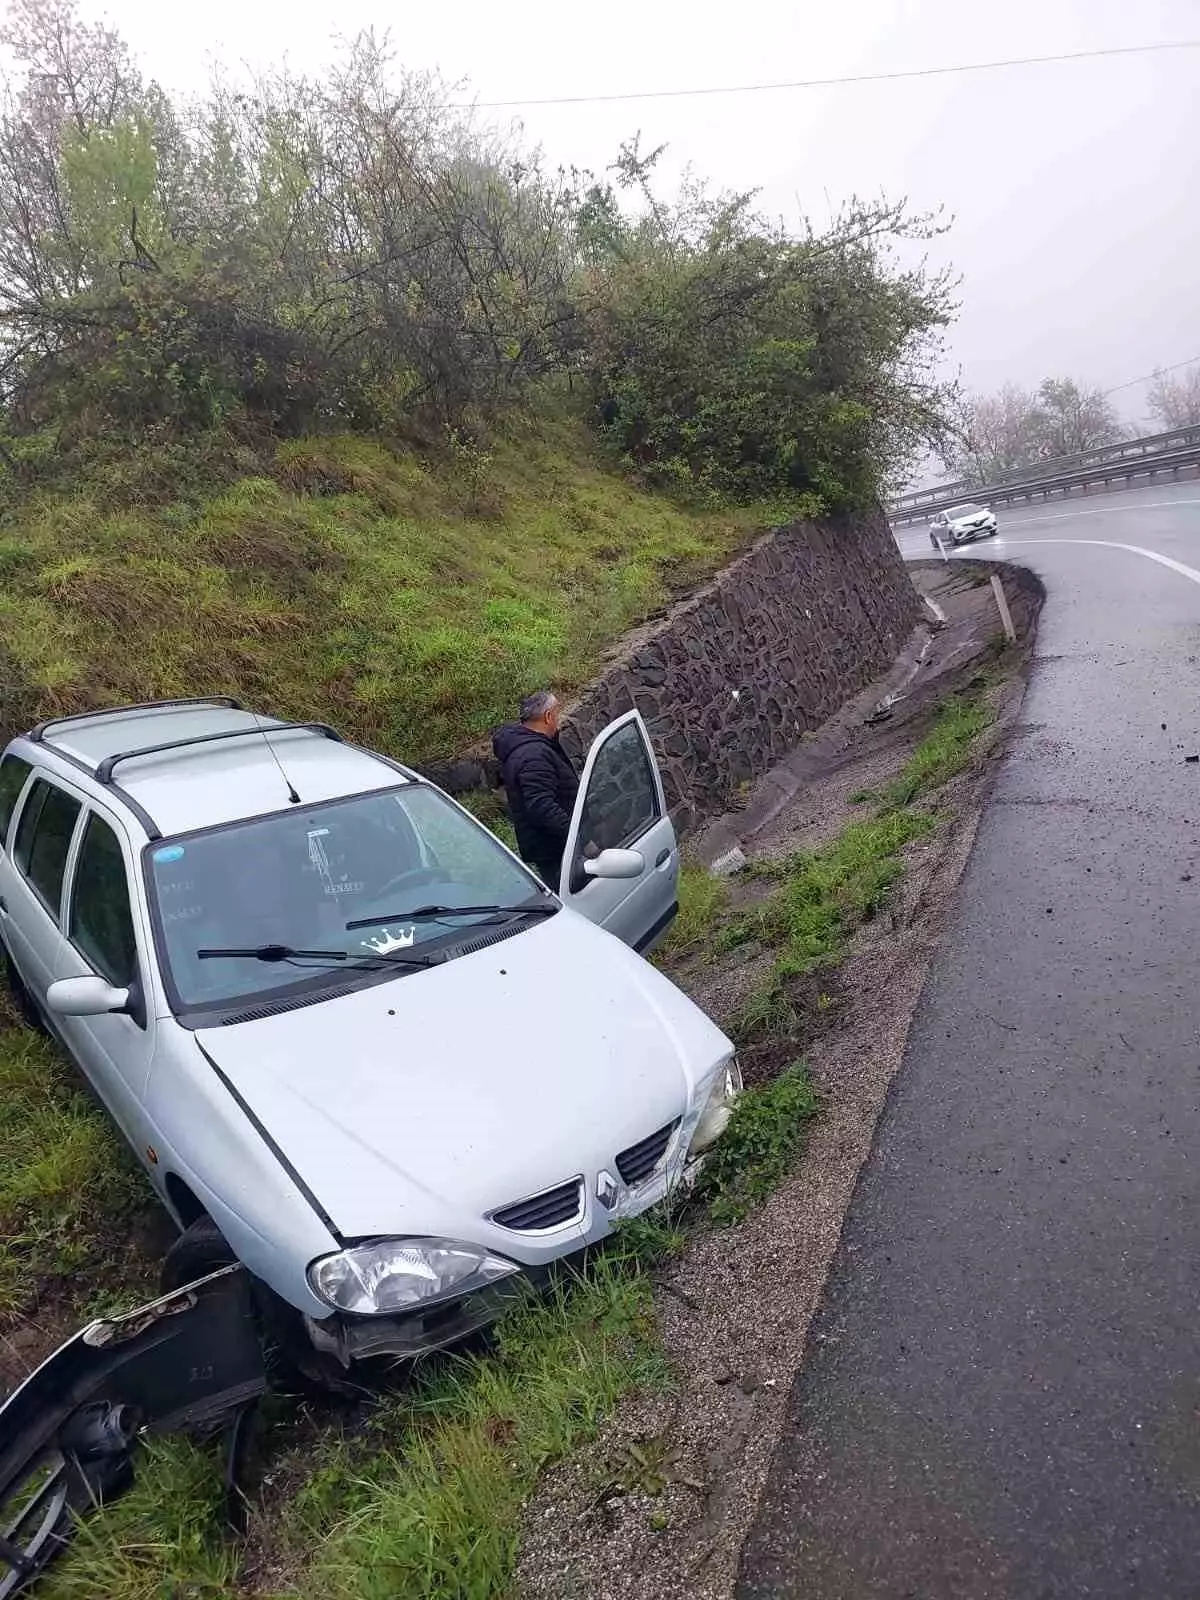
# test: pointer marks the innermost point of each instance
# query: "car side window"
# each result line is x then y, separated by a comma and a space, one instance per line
100, 922
622, 796
43, 839
13, 773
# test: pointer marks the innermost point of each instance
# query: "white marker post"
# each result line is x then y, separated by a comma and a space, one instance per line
942, 548
1002, 608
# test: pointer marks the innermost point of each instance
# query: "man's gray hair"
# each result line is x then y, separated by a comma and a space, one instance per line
536, 705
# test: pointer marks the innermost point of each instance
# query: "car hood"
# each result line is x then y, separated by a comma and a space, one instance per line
975, 519
423, 1103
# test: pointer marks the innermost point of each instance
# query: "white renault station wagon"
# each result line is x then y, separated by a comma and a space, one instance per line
354, 1042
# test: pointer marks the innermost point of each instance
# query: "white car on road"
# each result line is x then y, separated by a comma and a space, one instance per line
961, 524
353, 1041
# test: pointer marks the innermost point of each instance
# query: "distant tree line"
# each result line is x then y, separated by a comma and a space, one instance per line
1015, 428
1003, 433
1173, 399
357, 251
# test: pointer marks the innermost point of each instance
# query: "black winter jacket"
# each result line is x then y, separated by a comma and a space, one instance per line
541, 786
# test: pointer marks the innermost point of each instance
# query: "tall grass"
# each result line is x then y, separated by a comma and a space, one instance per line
703, 899
406, 600
944, 751
823, 895
429, 1507
762, 1143
69, 1190
163, 1540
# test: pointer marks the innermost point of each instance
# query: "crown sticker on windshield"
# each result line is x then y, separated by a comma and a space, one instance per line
169, 852
387, 942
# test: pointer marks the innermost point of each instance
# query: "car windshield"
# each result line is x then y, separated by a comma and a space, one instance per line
963, 511
295, 879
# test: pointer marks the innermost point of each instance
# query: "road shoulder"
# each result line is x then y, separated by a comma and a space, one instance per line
734, 1310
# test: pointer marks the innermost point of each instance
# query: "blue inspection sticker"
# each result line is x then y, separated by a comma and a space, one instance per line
169, 852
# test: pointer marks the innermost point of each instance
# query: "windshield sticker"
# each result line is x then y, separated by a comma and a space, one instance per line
386, 943
182, 914
169, 852
318, 857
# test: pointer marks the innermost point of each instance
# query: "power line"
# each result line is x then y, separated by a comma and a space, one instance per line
833, 83
1131, 383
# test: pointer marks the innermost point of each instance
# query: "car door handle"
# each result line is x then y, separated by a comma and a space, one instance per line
663, 857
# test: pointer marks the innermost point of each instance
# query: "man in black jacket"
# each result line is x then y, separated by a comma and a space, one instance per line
540, 783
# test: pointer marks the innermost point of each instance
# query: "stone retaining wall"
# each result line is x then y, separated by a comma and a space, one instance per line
733, 676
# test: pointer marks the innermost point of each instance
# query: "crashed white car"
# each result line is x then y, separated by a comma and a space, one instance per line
354, 1042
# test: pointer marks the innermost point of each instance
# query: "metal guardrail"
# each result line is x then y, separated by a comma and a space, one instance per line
942, 495
1148, 464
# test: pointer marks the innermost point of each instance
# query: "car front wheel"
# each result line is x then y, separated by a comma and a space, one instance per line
200, 1249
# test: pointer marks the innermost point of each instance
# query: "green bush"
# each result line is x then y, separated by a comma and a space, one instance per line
763, 1141
353, 253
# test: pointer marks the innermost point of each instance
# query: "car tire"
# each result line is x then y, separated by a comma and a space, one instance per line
291, 1359
25, 1005
200, 1249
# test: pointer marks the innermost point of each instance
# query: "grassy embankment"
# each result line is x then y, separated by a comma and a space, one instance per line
408, 599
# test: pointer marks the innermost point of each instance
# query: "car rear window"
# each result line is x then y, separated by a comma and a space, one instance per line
44, 838
13, 773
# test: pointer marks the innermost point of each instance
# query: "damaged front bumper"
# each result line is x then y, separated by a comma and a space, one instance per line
351, 1338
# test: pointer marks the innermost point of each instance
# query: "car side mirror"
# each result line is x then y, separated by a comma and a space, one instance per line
85, 997
616, 864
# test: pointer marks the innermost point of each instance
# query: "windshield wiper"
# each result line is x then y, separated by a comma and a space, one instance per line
433, 913
286, 952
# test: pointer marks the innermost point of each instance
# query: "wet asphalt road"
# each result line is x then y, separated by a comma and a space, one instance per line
1002, 1395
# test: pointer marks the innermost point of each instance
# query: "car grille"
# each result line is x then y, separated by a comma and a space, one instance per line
639, 1161
550, 1209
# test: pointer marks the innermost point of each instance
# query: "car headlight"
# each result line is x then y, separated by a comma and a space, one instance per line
727, 1085
394, 1275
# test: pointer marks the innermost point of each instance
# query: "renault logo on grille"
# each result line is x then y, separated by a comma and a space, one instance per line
606, 1190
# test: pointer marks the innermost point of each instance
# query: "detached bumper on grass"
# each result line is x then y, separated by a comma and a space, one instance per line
193, 1359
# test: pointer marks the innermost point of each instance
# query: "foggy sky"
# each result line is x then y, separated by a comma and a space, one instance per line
1073, 186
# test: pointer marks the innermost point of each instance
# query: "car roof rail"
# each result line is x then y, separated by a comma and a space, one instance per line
410, 773
38, 734
104, 771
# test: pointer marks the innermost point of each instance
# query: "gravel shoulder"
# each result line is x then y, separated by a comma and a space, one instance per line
661, 1503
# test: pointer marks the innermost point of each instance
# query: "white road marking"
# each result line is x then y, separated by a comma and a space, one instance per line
1097, 511
1134, 549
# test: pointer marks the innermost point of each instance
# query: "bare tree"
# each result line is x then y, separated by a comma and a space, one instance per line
997, 435
1004, 433
1174, 400
1068, 419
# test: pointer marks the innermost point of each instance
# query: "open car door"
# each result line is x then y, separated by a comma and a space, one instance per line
621, 864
